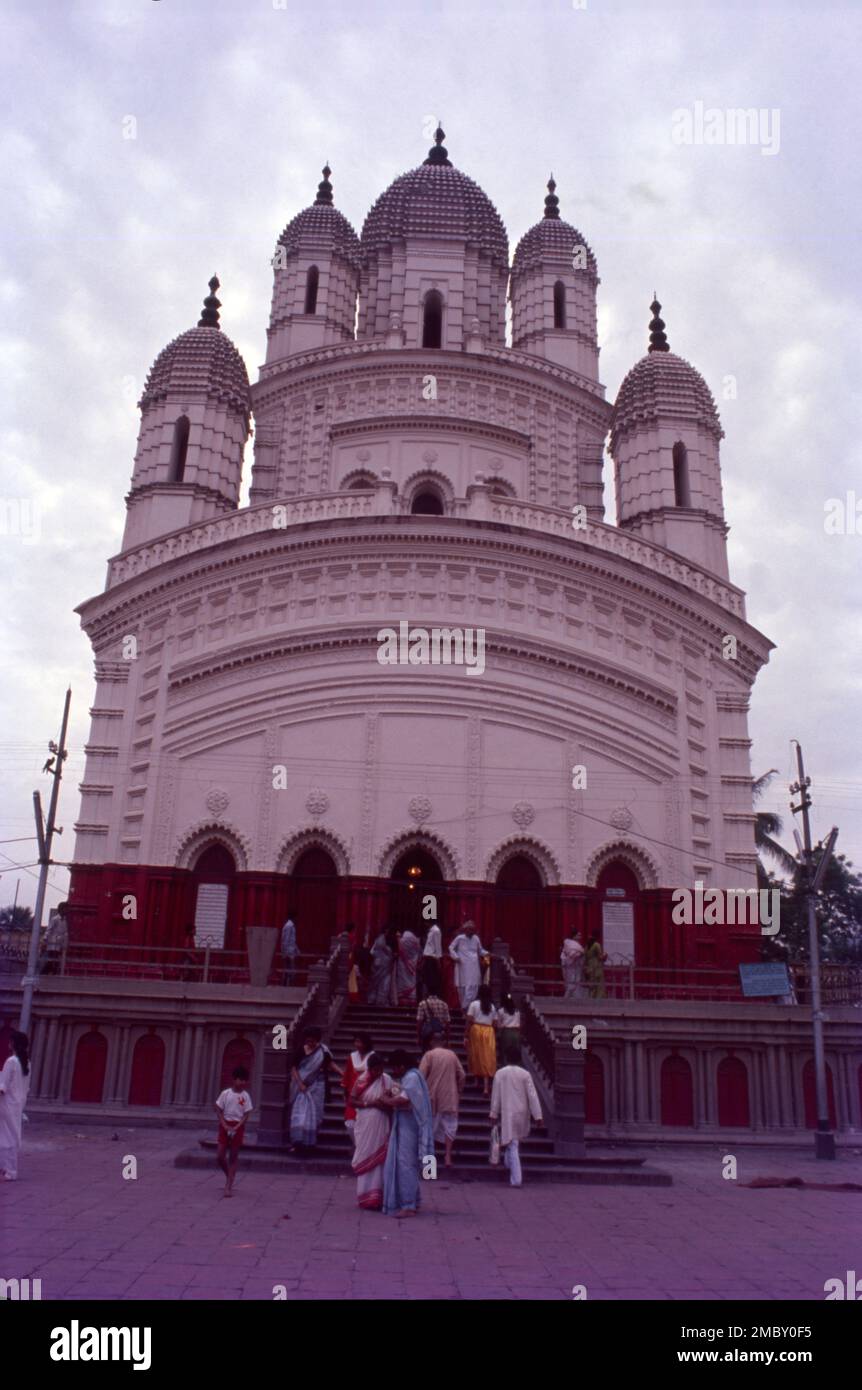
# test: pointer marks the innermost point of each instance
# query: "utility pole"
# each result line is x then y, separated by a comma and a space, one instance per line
45, 836
824, 1139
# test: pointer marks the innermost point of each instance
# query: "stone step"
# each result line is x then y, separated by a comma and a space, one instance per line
592, 1172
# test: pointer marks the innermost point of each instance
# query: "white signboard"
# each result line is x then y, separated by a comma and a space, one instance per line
211, 915
618, 932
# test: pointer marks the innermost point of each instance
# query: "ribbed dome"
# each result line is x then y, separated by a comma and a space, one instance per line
436, 200
326, 227
201, 362
663, 386
550, 239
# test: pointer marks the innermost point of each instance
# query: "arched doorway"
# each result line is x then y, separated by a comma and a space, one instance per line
314, 899
619, 892
732, 1086
415, 874
213, 876
677, 1092
88, 1077
148, 1067
518, 908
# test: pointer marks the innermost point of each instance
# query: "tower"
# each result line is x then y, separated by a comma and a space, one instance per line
195, 413
553, 293
435, 261
316, 279
665, 435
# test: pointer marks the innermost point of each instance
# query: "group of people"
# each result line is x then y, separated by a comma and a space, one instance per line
400, 967
583, 967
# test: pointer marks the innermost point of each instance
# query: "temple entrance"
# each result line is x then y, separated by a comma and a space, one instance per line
314, 899
518, 909
415, 874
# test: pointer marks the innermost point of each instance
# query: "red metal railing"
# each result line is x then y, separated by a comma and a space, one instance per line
840, 984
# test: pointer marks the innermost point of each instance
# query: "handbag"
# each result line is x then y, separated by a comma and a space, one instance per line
494, 1150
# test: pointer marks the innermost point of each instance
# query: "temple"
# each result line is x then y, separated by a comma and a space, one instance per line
429, 430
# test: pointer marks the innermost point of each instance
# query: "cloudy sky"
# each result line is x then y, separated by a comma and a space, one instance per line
108, 242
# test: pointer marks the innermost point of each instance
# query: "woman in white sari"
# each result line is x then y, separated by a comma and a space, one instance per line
371, 1132
14, 1085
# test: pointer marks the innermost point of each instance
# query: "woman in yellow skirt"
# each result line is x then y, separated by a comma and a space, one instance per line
481, 1038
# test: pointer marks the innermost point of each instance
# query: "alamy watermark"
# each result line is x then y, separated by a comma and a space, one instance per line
20, 516
727, 907
734, 126
436, 646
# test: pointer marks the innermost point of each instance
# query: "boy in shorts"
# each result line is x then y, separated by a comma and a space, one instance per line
233, 1108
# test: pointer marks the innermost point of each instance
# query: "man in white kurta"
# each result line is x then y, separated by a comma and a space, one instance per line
514, 1101
467, 951
13, 1093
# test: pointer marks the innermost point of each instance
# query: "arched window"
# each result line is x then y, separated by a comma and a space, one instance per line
179, 449
311, 282
559, 305
148, 1067
427, 503
681, 493
432, 320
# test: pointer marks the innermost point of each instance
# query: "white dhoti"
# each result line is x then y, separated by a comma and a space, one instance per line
13, 1093
467, 952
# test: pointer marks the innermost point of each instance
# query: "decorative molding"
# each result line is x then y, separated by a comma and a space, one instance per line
621, 818
638, 860
194, 841
317, 802
428, 840
296, 842
420, 809
531, 848
523, 814
217, 801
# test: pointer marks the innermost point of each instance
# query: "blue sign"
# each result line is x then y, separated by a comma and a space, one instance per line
766, 977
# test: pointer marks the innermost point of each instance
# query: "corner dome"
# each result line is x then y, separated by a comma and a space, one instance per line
322, 225
201, 362
662, 386
551, 239
436, 201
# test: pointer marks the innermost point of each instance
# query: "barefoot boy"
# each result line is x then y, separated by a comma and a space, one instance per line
233, 1108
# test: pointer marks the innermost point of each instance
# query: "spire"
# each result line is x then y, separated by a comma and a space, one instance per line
324, 189
438, 154
209, 314
552, 203
657, 340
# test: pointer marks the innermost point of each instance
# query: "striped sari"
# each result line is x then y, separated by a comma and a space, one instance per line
371, 1136
306, 1107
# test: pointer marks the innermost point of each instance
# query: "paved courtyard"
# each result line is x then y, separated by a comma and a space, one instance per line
75, 1222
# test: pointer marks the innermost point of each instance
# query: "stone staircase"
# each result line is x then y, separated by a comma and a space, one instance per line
391, 1028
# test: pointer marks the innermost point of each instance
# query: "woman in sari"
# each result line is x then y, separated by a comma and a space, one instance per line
353, 1073
371, 1133
311, 1067
409, 953
411, 1141
594, 969
382, 961
572, 965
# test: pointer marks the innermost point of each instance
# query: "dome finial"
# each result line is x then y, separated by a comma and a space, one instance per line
552, 203
324, 189
209, 314
438, 154
657, 340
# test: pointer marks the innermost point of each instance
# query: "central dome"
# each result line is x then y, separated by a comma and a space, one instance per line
436, 201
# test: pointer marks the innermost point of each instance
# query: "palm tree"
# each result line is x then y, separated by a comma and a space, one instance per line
767, 825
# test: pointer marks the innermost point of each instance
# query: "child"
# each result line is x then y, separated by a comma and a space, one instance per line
233, 1108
